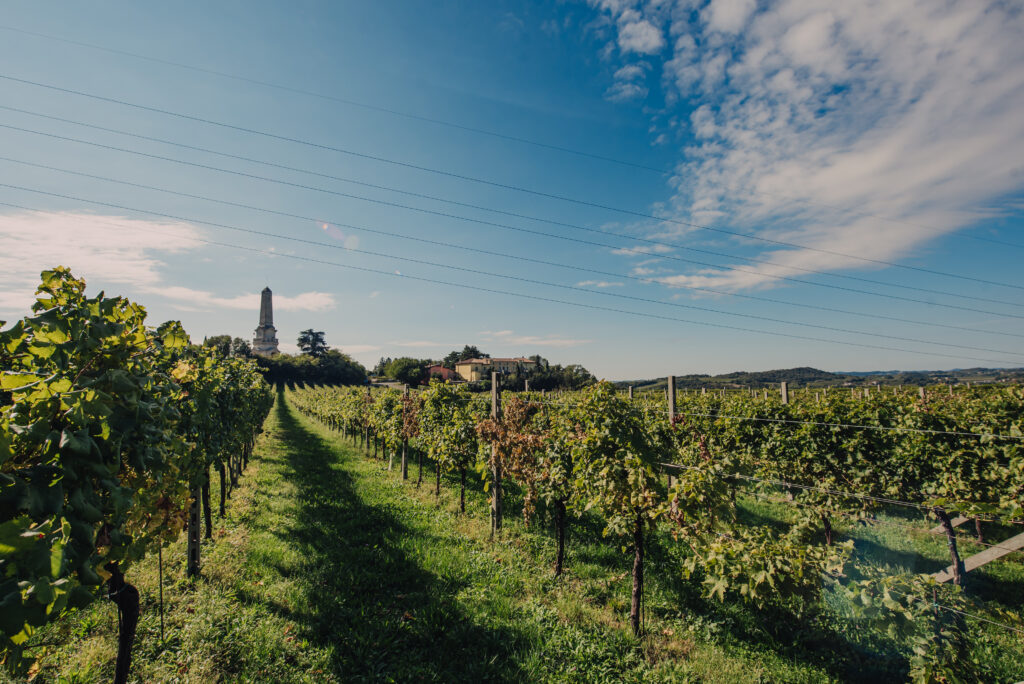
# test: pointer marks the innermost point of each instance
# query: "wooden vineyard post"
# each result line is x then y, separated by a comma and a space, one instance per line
526, 385
631, 392
671, 415
920, 392
867, 392
405, 442
194, 534
785, 392
817, 398
495, 464
950, 386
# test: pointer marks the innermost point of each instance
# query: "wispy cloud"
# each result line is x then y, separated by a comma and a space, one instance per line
111, 249
510, 339
642, 250
868, 128
358, 348
205, 300
629, 83
598, 283
424, 344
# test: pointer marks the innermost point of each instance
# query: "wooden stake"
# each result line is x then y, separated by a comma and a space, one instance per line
496, 499
785, 392
671, 412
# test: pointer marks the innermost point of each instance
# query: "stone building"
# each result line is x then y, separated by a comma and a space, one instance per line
474, 370
264, 342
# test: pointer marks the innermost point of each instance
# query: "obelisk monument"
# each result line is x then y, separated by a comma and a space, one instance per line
264, 342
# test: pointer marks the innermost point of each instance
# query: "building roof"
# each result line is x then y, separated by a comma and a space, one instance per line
487, 362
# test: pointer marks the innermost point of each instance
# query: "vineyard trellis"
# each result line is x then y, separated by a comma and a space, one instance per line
839, 455
108, 431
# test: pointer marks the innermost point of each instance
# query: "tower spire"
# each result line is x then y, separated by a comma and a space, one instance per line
264, 342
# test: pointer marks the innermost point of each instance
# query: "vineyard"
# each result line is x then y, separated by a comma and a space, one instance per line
108, 433
748, 491
770, 505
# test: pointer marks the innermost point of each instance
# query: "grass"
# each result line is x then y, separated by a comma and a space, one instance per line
329, 568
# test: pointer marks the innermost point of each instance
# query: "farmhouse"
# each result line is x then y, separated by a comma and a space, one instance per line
474, 370
439, 371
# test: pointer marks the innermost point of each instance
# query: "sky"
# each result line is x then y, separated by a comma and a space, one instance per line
644, 188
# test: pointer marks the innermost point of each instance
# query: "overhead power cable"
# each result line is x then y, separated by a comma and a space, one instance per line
487, 273
497, 184
463, 127
479, 288
638, 251
515, 278
434, 198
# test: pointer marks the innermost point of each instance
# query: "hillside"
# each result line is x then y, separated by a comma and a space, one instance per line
812, 377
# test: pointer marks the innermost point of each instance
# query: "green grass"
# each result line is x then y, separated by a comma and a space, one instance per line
330, 568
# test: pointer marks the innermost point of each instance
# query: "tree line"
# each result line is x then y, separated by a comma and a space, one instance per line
541, 375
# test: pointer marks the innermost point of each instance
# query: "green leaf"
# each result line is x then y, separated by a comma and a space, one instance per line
14, 381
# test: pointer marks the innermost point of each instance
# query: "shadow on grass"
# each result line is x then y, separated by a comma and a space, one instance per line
379, 613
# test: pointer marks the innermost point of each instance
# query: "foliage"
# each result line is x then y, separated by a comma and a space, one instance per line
226, 346
106, 428
468, 352
333, 368
410, 371
312, 343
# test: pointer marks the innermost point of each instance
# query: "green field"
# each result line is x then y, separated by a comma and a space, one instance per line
330, 568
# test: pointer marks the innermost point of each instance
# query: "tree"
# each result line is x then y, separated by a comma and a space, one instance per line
220, 344
408, 370
468, 352
312, 343
240, 348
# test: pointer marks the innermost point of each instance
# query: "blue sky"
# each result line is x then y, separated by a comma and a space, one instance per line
782, 162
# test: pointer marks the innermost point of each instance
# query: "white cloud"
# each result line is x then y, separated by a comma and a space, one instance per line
111, 249
631, 72
423, 344
642, 250
868, 128
204, 300
357, 348
510, 339
597, 283
640, 36
728, 16
622, 91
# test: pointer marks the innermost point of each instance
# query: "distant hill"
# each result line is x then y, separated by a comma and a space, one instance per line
812, 377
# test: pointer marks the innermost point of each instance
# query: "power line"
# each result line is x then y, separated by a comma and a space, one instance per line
497, 184
578, 240
480, 272
351, 102
452, 202
518, 278
461, 285
463, 127
490, 209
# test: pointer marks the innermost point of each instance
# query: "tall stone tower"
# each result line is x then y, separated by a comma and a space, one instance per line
264, 342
